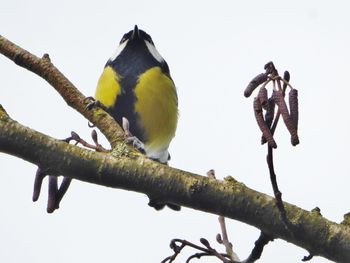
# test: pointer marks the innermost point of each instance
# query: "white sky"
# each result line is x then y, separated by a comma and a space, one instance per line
213, 50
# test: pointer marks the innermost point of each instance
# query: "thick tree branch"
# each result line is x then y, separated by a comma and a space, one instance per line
228, 198
73, 97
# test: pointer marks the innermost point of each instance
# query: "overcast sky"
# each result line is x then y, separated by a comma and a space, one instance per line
213, 49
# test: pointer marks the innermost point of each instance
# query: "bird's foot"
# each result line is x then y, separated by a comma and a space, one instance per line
130, 139
136, 143
92, 102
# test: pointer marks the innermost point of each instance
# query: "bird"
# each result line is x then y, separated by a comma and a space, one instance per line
136, 86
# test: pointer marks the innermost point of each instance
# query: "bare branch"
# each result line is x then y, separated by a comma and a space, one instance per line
73, 97
228, 198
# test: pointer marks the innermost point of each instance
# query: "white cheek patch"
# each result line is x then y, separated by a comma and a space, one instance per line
119, 50
152, 49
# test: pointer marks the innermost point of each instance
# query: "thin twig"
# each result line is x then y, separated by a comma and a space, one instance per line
256, 253
177, 249
276, 191
97, 147
198, 256
214, 252
225, 241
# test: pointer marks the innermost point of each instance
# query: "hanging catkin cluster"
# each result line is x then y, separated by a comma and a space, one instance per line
268, 122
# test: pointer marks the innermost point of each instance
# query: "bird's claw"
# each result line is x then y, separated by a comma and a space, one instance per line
130, 139
92, 102
136, 143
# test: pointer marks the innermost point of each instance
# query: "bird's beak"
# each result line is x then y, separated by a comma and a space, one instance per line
135, 33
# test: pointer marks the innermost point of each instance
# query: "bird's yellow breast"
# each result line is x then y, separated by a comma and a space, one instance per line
108, 87
156, 105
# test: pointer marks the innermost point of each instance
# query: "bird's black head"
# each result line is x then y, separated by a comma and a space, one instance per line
137, 43
136, 35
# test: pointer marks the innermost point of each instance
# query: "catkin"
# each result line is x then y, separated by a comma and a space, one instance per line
269, 116
262, 124
262, 95
294, 107
286, 77
254, 83
282, 107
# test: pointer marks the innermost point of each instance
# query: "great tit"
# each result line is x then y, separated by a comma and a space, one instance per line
136, 85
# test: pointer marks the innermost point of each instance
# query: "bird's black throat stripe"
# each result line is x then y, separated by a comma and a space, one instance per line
129, 65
